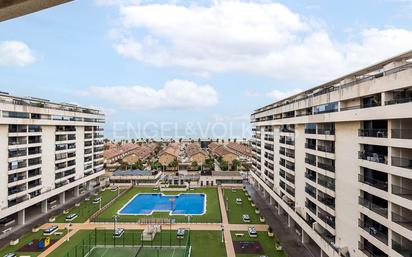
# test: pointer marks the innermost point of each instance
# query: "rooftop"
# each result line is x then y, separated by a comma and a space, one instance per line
404, 61
44, 103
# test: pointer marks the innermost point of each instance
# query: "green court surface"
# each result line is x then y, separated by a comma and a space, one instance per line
235, 211
137, 252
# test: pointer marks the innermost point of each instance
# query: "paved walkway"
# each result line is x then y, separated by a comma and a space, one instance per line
230, 250
288, 239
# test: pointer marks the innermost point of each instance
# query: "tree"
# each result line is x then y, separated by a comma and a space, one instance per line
235, 164
195, 165
224, 165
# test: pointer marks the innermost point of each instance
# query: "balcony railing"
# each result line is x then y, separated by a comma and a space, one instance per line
402, 133
326, 148
310, 131
402, 191
328, 201
371, 252
311, 192
374, 231
327, 219
403, 220
326, 131
373, 157
373, 133
311, 207
383, 211
310, 176
325, 166
400, 100
402, 162
310, 146
380, 184
326, 183
310, 161
404, 249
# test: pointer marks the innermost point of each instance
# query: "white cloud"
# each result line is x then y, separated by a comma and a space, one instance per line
176, 94
276, 95
255, 37
15, 53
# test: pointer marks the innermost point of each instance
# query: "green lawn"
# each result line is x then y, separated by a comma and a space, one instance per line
268, 244
204, 243
87, 208
236, 211
212, 207
25, 240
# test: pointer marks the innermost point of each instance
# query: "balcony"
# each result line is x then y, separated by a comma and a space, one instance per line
310, 190
402, 245
374, 229
399, 96
310, 146
326, 148
17, 129
328, 219
405, 192
327, 166
373, 157
404, 219
311, 176
17, 153
402, 162
310, 206
382, 133
310, 161
402, 133
371, 205
326, 131
310, 130
370, 250
326, 182
379, 184
326, 200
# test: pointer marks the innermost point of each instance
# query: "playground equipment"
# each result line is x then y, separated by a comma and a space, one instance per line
43, 243
149, 232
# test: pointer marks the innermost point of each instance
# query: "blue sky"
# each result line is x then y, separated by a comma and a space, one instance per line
200, 66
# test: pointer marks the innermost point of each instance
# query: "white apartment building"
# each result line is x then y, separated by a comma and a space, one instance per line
337, 161
49, 154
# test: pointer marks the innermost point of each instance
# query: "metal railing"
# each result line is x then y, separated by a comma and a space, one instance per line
383, 211
380, 184
373, 133
402, 133
402, 162
373, 157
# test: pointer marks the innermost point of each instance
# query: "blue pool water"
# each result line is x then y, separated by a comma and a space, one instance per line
183, 204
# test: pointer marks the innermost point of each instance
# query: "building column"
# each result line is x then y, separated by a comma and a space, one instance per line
305, 237
62, 198
291, 223
21, 217
270, 201
280, 211
44, 206
76, 191
323, 254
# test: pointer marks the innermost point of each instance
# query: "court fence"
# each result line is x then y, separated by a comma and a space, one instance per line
130, 239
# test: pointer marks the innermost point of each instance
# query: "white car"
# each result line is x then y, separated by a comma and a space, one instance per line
246, 218
252, 231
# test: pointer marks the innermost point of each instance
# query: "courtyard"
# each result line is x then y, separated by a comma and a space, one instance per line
212, 233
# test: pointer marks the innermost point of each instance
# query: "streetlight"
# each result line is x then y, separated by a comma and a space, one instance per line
68, 231
115, 217
223, 238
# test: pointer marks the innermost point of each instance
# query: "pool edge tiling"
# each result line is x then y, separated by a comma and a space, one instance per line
137, 212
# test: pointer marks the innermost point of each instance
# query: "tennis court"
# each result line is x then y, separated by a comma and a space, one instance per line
136, 252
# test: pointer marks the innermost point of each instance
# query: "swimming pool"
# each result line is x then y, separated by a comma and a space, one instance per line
182, 204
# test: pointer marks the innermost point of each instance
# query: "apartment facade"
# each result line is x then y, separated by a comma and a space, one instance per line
49, 152
337, 161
